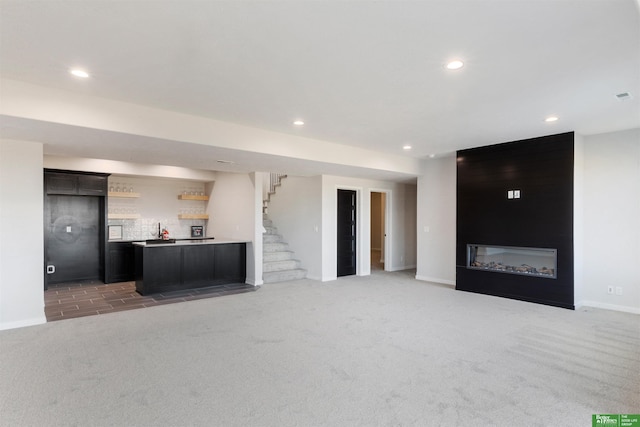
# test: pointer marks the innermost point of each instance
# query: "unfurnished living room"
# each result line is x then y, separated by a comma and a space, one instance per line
305, 213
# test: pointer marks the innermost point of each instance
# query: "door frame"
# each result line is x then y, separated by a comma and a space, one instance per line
361, 260
388, 236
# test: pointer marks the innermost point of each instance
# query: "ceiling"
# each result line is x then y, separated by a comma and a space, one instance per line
369, 74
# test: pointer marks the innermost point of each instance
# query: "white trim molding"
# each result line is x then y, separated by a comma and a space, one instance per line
605, 306
451, 283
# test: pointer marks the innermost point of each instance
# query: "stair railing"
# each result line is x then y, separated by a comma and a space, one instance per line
274, 181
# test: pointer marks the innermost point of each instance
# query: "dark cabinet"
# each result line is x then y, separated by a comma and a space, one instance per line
230, 263
92, 185
171, 268
61, 183
75, 183
121, 262
198, 265
75, 227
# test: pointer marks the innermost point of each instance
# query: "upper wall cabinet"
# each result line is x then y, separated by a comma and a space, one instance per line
73, 183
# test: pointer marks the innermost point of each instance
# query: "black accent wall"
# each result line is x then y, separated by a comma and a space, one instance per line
542, 169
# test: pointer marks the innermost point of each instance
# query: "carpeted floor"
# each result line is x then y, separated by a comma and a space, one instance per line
383, 350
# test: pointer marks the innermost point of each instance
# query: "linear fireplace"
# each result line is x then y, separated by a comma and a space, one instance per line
540, 262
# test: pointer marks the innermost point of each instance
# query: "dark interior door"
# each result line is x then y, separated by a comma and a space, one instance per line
73, 238
346, 232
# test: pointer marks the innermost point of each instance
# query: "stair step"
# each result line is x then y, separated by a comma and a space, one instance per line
271, 238
277, 256
270, 230
283, 276
267, 223
275, 247
288, 264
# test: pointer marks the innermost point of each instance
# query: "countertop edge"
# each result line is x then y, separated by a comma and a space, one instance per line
190, 243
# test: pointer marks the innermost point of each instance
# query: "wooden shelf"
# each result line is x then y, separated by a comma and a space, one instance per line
123, 216
123, 194
193, 216
190, 197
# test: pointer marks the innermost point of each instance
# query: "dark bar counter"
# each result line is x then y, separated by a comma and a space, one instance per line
188, 264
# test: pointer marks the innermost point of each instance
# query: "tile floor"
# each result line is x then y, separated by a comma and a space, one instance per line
89, 298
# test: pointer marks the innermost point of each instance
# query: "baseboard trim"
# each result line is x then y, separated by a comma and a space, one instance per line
451, 283
401, 268
605, 306
23, 323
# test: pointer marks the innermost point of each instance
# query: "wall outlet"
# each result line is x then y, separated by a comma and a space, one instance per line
618, 290
610, 289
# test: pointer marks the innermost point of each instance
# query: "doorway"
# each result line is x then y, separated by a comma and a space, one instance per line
72, 247
378, 230
346, 236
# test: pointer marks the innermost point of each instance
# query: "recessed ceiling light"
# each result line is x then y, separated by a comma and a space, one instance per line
406, 147
79, 73
455, 65
551, 119
298, 123
431, 156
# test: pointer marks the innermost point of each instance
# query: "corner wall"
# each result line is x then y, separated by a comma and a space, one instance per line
21, 231
436, 227
233, 214
611, 220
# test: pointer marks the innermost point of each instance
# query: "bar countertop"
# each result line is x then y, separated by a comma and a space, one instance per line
189, 242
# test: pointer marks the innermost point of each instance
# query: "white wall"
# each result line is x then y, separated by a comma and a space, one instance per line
50, 105
578, 219
234, 207
127, 168
296, 210
436, 227
401, 222
21, 234
158, 203
612, 220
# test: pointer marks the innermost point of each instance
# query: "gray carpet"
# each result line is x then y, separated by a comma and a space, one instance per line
384, 350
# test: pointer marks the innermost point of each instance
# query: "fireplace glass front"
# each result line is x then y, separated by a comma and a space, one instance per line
539, 262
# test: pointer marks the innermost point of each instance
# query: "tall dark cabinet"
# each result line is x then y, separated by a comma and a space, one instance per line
75, 226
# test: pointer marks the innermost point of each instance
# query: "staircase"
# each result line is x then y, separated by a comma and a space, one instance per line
278, 263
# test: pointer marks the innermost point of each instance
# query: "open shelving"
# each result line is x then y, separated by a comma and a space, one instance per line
123, 194
192, 197
193, 216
